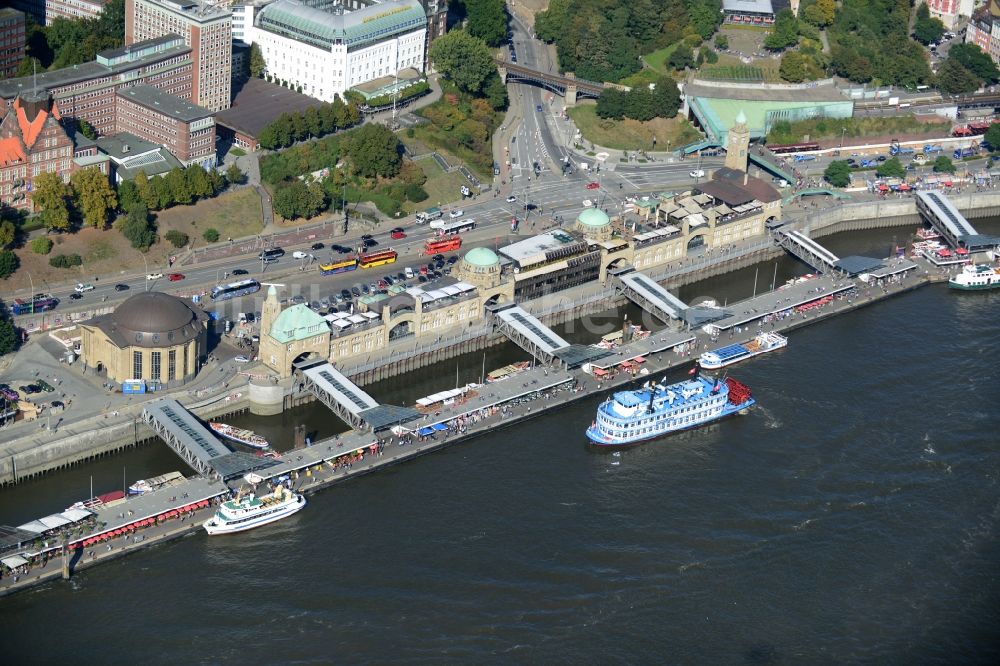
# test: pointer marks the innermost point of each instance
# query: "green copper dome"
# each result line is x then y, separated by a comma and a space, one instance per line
481, 256
593, 217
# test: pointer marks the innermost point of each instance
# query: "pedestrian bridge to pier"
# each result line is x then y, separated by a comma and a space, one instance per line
346, 399
937, 208
806, 249
526, 331
196, 444
647, 294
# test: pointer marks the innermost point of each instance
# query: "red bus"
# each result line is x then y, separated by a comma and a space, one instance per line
380, 258
793, 148
440, 246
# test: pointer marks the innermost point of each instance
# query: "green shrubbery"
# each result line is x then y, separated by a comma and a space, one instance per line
66, 261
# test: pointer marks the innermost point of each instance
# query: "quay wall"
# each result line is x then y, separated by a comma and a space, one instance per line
93, 439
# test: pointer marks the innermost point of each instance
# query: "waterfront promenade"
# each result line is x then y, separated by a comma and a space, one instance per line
528, 394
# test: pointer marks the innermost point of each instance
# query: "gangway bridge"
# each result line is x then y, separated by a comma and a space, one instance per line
647, 294
534, 337
937, 208
806, 249
346, 399
196, 444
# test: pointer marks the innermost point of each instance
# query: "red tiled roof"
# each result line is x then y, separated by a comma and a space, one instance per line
31, 129
11, 152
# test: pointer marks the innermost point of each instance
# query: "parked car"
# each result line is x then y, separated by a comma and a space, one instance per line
511, 199
587, 203
456, 214
242, 359
44, 385
175, 277
121, 287
437, 257
452, 259
75, 296
30, 389
81, 287
154, 276
397, 233
593, 186
318, 246
240, 271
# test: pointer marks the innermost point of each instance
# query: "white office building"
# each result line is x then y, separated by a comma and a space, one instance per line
328, 52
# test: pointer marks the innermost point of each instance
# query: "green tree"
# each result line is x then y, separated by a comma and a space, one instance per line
464, 60
197, 181
66, 261
891, 168
722, 42
51, 195
234, 175
8, 264
976, 61
177, 184
954, 79
94, 196
257, 62
666, 98
128, 195
784, 32
992, 138
682, 57
29, 66
176, 238
495, 92
611, 104
8, 336
41, 245
137, 227
216, 181
211, 235
639, 104
705, 16
797, 67
549, 23
487, 20
944, 165
87, 130
146, 190
375, 150
8, 232
925, 28
838, 173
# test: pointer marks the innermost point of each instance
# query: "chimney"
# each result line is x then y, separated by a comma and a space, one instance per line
124, 147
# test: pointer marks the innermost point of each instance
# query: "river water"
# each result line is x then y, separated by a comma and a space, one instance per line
852, 516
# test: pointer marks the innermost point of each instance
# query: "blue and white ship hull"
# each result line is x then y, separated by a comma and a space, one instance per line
629, 417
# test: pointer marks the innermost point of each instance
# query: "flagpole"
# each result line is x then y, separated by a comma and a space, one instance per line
755, 271
775, 278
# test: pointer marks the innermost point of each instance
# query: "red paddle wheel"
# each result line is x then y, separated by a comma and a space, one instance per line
738, 393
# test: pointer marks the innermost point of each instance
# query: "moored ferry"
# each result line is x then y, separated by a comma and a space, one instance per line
762, 344
240, 435
629, 417
143, 486
976, 277
248, 511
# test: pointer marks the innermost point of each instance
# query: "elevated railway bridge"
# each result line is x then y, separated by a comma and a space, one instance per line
566, 84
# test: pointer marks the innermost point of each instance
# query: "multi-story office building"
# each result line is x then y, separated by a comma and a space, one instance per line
87, 91
205, 27
11, 41
46, 11
32, 141
183, 128
328, 52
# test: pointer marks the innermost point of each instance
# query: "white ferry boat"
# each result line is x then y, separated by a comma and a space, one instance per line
762, 344
629, 417
143, 486
248, 511
240, 435
976, 277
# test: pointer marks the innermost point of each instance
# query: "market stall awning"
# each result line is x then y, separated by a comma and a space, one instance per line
14, 561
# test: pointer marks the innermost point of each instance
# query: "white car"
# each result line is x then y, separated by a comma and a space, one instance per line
154, 276
511, 199
587, 203
456, 214
81, 287
299, 254
697, 173
242, 359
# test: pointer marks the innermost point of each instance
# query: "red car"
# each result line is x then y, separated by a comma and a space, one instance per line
397, 233
175, 277
593, 186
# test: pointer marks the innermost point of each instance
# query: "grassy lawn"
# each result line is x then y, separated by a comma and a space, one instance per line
657, 60
234, 214
732, 68
442, 187
632, 134
834, 128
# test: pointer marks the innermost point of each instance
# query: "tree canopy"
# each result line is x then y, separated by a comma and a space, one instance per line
94, 196
641, 103
68, 42
926, 29
838, 173
8, 336
944, 164
891, 168
974, 59
870, 38
464, 60
487, 20
784, 32
374, 151
51, 195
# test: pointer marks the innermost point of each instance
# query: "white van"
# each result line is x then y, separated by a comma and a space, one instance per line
408, 272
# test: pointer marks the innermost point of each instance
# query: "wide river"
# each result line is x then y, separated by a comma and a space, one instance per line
851, 517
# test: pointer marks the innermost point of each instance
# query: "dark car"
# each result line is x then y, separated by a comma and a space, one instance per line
75, 296
30, 389
881, 158
438, 274
452, 260
538, 108
356, 292
389, 280
438, 257
44, 385
340, 249
240, 271
366, 236
121, 287
422, 278
401, 277
318, 246
369, 242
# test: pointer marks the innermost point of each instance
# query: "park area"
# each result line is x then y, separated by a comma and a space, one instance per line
104, 252
627, 134
835, 129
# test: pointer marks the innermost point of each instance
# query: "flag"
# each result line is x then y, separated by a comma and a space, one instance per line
693, 370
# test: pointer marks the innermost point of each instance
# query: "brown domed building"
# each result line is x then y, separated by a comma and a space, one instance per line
152, 336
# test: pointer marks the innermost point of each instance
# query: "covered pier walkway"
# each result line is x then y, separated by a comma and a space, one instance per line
347, 400
806, 249
648, 294
937, 208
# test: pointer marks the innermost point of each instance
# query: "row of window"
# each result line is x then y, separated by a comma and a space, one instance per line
155, 369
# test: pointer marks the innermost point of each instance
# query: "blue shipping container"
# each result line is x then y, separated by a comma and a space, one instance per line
131, 386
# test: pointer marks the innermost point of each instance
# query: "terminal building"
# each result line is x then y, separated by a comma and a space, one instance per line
326, 51
153, 337
748, 12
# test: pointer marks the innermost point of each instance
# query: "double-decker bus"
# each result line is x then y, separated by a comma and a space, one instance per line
339, 266
380, 258
38, 303
456, 227
442, 245
793, 148
223, 292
